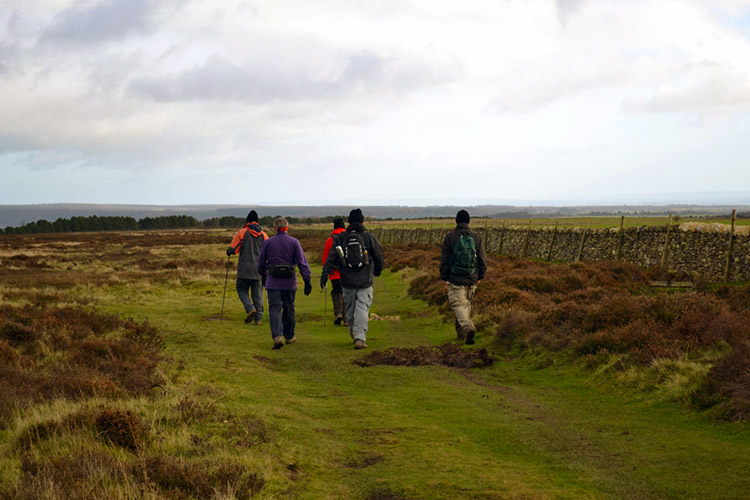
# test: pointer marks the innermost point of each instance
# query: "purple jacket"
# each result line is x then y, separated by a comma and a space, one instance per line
282, 249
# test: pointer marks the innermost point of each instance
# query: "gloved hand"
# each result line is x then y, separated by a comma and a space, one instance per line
308, 287
323, 282
230, 251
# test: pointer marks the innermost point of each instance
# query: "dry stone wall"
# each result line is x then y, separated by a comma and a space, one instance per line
701, 253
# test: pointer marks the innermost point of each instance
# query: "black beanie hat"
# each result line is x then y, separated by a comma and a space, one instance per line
463, 216
356, 216
252, 216
338, 222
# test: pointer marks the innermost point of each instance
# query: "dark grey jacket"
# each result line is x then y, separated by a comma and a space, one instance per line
247, 243
355, 278
447, 253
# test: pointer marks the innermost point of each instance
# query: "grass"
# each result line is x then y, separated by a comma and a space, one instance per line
234, 418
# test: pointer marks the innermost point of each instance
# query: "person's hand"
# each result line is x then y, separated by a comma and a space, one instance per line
308, 287
322, 283
230, 251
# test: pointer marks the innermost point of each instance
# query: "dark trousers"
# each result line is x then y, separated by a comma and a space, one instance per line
245, 287
281, 312
337, 296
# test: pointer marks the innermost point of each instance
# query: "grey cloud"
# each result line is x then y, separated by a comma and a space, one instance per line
566, 8
218, 79
106, 20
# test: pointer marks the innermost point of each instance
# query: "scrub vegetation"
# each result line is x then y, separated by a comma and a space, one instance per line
117, 381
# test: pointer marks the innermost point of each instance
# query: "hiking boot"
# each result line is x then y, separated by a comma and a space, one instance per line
291, 340
470, 337
360, 344
258, 322
460, 334
278, 342
345, 322
338, 320
250, 316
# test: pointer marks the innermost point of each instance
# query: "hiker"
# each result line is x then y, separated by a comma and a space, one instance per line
337, 294
358, 256
278, 256
247, 243
462, 264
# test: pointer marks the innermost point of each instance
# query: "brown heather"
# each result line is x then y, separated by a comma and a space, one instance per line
72, 353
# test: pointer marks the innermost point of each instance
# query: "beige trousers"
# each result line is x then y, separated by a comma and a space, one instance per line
459, 297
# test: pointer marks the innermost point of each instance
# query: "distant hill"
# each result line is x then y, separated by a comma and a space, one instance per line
17, 215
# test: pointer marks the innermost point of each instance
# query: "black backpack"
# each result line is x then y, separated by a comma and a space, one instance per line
356, 255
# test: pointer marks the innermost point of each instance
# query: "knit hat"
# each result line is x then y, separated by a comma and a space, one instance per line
252, 216
356, 216
280, 223
463, 216
338, 222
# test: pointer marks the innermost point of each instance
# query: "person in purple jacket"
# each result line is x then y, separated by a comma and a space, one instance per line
279, 255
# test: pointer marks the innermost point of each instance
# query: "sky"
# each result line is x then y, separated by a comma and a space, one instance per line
404, 102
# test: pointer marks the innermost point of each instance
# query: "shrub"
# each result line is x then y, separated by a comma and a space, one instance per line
120, 427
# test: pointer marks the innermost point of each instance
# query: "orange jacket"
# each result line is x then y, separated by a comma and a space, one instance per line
327, 249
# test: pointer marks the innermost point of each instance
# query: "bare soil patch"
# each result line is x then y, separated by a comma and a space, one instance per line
449, 355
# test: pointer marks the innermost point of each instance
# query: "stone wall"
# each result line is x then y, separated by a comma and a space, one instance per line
696, 252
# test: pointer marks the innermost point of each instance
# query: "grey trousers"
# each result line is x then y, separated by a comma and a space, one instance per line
251, 296
358, 302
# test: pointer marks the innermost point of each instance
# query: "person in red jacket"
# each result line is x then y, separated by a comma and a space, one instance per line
337, 293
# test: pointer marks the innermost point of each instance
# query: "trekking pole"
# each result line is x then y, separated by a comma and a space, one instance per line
224, 295
325, 302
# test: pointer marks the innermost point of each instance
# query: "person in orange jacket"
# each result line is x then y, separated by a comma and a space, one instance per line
247, 243
337, 293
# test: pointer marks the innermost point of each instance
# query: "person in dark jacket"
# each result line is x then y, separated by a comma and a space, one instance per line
359, 257
337, 293
278, 257
247, 243
461, 267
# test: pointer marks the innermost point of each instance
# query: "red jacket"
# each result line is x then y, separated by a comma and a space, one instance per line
327, 249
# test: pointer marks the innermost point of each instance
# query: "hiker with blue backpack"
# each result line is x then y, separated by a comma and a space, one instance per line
358, 256
462, 264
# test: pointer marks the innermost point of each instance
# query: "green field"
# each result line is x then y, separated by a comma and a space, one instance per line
314, 425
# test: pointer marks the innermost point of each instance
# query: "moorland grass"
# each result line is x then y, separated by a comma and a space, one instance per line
234, 419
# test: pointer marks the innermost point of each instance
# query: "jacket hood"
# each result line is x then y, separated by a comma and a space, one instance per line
338, 230
254, 229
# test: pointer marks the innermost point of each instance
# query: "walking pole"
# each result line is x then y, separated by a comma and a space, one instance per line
325, 302
226, 278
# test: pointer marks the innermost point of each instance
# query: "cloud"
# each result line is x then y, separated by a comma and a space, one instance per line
258, 82
566, 8
707, 88
100, 22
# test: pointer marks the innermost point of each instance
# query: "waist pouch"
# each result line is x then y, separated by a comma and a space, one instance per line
282, 270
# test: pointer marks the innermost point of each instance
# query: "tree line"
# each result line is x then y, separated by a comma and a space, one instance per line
120, 223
